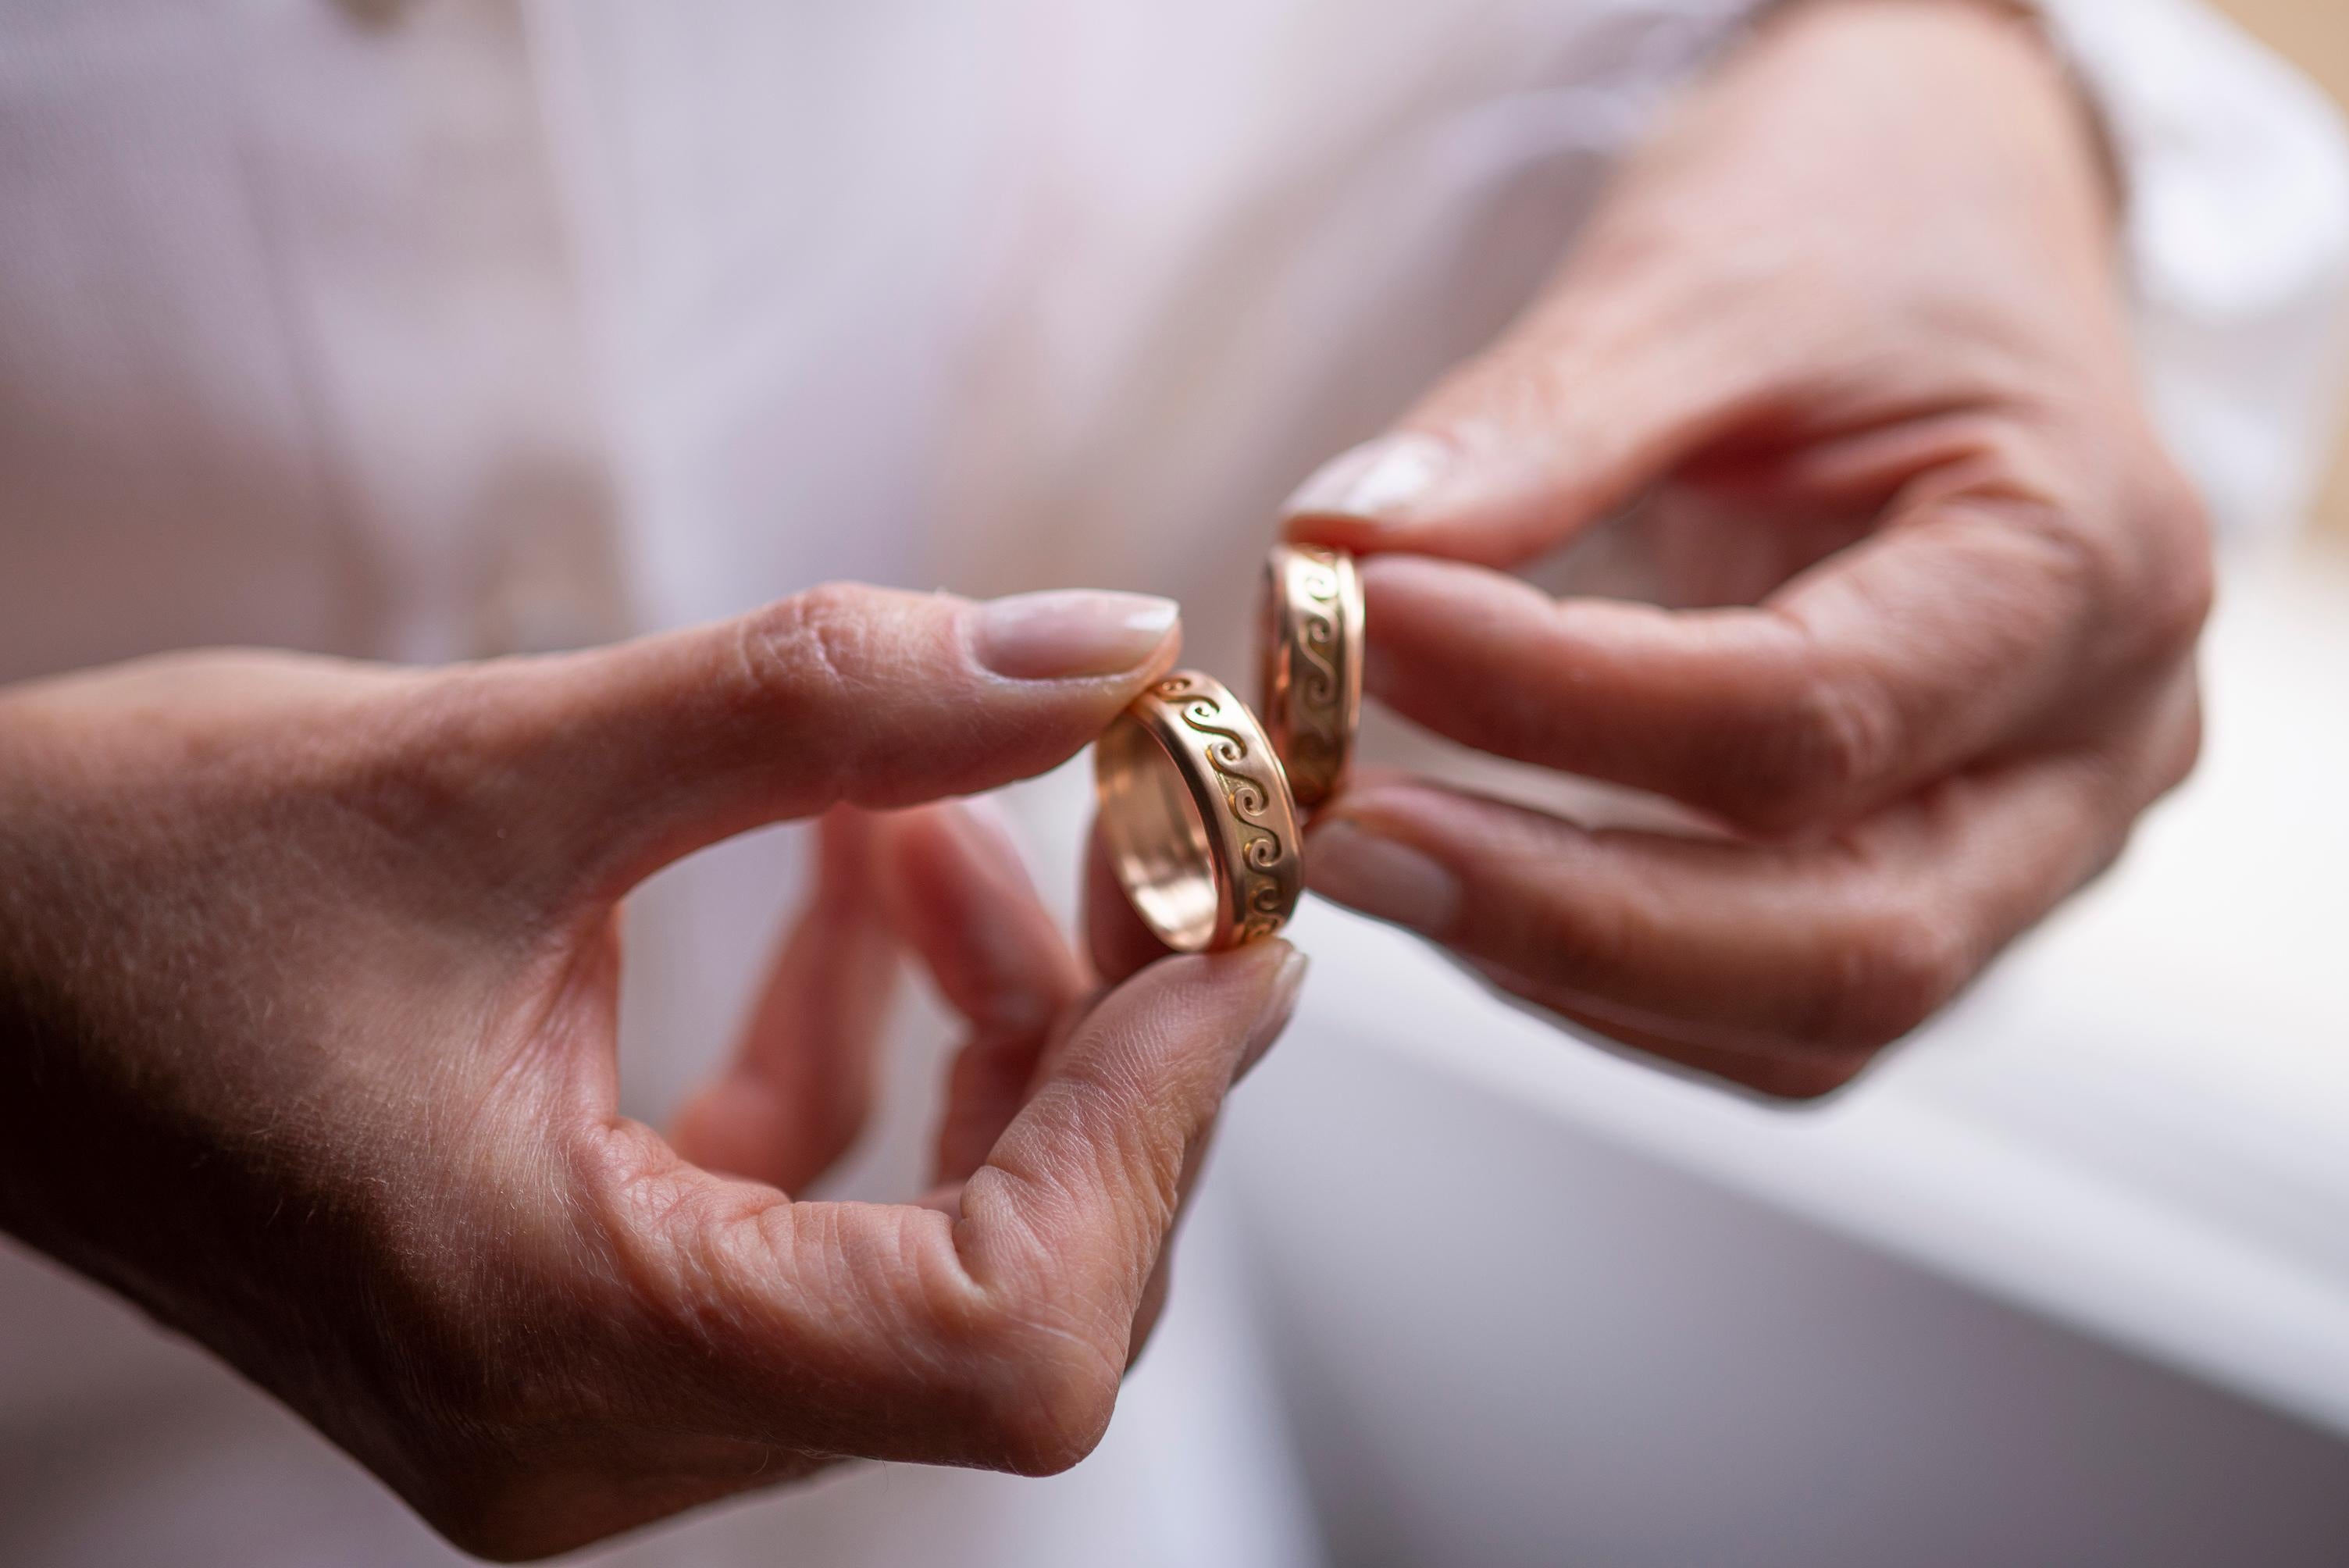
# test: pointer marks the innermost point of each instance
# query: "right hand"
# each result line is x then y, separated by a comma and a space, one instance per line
308, 978
1846, 349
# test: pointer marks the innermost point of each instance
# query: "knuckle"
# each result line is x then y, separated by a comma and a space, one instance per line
1576, 943
414, 765
1039, 1384
1519, 383
805, 651
2136, 561
1905, 965
800, 668
1808, 760
2179, 578
1045, 1402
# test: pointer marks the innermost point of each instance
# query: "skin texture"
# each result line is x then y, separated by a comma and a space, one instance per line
308, 975
1845, 352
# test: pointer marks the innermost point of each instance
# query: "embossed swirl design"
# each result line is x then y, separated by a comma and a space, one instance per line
1246, 796
1319, 701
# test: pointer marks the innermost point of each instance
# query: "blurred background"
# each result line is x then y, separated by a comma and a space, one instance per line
2063, 1280
2316, 38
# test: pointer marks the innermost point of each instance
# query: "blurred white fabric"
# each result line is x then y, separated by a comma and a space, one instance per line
2238, 242
420, 329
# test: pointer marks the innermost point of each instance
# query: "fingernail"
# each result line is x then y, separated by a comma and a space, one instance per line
1070, 635
1381, 878
1279, 1005
1379, 481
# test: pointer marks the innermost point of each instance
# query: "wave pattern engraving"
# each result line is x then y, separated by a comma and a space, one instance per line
1317, 714
1248, 798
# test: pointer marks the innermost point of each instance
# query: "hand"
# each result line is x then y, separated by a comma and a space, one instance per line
1849, 345
308, 973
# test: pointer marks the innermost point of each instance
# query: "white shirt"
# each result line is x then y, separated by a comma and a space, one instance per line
423, 329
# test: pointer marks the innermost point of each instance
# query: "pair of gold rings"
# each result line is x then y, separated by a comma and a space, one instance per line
1201, 801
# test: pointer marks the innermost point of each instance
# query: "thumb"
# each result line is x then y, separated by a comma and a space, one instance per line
620, 761
1519, 450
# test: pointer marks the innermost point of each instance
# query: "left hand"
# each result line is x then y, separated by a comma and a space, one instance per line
1851, 333
309, 996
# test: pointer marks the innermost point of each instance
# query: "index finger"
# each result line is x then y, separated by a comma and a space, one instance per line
1921, 647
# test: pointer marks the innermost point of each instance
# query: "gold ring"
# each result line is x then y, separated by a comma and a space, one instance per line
1201, 829
1310, 644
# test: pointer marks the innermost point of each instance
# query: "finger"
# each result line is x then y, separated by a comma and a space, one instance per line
1825, 951
1708, 307
611, 763
1525, 446
995, 1335
1155, 1294
1161, 1284
960, 897
1121, 944
1077, 1201
800, 1084
1917, 650
1767, 1066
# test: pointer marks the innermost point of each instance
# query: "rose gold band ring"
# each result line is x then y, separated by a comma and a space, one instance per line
1196, 812
1310, 644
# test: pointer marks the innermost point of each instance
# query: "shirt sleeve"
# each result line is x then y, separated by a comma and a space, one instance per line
2236, 175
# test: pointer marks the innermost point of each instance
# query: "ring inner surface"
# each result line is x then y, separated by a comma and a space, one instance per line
1157, 840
